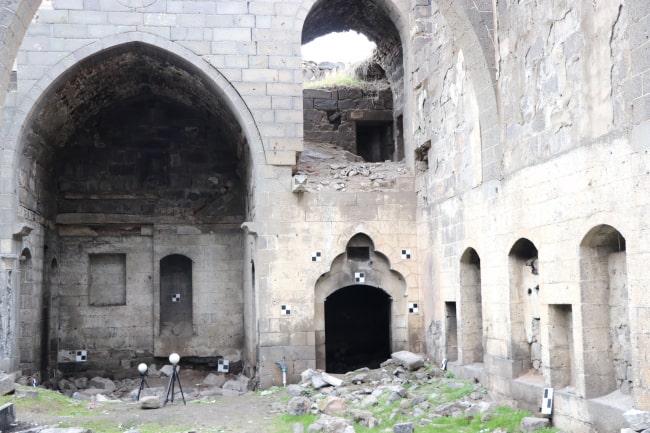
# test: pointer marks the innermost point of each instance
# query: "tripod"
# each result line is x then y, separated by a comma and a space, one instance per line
143, 382
170, 387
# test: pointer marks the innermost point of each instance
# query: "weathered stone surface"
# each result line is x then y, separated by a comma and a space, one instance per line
150, 402
299, 406
7, 416
102, 383
364, 418
317, 381
214, 380
332, 380
531, 424
166, 370
331, 405
7, 384
637, 419
295, 390
81, 382
330, 424
408, 360
404, 427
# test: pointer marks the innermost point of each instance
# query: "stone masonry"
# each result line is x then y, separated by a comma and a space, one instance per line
148, 201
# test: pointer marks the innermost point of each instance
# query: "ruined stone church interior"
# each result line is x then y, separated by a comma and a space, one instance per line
171, 182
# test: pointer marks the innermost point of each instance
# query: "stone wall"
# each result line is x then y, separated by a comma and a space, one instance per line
331, 115
542, 146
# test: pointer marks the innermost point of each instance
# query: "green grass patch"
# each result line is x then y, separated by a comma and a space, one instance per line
49, 402
284, 423
339, 80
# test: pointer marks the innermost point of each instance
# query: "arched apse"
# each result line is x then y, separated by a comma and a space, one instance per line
367, 271
128, 105
471, 344
525, 306
604, 306
213, 87
134, 135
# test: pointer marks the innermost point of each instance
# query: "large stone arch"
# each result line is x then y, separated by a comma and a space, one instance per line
353, 268
473, 38
35, 97
14, 19
35, 101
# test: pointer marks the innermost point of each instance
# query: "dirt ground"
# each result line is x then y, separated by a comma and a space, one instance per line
247, 413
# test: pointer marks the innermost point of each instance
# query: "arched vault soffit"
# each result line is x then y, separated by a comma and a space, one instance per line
210, 90
376, 269
380, 20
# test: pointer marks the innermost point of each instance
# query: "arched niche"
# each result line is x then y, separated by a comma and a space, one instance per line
525, 314
604, 306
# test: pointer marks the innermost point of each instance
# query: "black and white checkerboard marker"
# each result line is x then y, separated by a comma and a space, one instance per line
176, 297
81, 356
547, 401
359, 277
286, 310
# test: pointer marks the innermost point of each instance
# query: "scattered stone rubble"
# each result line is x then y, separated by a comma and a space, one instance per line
330, 168
341, 401
101, 389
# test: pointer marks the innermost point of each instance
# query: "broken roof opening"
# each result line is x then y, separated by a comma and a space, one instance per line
345, 47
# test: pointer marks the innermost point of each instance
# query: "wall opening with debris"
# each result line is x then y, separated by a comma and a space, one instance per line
525, 309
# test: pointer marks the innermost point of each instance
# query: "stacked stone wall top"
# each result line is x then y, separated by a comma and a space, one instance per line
330, 115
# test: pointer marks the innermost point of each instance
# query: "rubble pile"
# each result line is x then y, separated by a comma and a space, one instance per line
401, 396
404, 379
329, 168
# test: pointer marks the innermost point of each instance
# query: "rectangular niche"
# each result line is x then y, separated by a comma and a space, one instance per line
107, 279
452, 331
561, 345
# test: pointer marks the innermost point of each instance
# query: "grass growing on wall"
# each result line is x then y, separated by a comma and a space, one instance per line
339, 80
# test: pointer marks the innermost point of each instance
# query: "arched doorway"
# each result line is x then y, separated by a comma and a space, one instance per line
357, 328
359, 302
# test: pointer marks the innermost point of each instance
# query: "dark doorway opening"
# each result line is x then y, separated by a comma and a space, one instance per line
357, 328
375, 141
